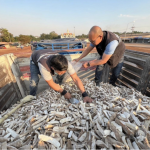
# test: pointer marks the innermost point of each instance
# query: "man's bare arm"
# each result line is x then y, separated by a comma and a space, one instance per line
57, 88
54, 86
104, 60
87, 51
78, 82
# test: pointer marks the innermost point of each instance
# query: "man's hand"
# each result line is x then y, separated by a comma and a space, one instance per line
91, 63
85, 65
87, 99
76, 60
67, 95
85, 52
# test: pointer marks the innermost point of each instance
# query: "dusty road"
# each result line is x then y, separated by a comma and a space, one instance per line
138, 47
25, 52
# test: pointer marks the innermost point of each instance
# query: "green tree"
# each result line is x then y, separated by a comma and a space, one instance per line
42, 36
50, 36
47, 36
83, 36
32, 38
11, 37
6, 36
53, 35
24, 39
16, 39
137, 32
117, 33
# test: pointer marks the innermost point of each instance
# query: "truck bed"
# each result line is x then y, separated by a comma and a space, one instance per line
134, 74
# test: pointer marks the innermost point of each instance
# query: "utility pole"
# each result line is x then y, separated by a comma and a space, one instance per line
132, 29
127, 28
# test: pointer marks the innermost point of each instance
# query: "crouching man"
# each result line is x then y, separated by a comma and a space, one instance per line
47, 64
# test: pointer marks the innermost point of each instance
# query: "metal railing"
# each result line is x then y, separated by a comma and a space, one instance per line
59, 46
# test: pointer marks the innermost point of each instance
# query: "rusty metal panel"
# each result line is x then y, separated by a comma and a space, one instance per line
135, 71
9, 91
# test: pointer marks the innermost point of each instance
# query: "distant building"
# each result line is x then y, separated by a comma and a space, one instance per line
67, 35
36, 36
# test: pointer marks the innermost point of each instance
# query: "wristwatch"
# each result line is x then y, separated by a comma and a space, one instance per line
88, 64
63, 92
84, 94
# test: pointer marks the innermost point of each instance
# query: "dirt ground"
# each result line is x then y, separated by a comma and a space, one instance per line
138, 47
26, 51
141, 49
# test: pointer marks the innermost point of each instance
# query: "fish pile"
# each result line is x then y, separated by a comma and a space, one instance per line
119, 118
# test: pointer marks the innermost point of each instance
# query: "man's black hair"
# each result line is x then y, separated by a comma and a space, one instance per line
59, 62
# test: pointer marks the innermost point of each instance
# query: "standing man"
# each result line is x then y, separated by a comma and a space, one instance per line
46, 63
111, 50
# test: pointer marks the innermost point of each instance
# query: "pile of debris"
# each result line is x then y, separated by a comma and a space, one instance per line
119, 118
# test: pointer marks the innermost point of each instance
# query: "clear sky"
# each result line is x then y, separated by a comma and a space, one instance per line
43, 16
